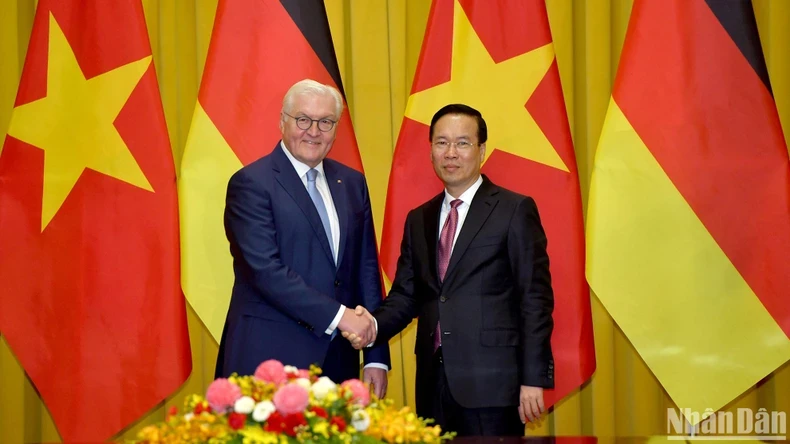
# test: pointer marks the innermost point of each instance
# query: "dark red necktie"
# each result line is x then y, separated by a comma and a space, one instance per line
445, 250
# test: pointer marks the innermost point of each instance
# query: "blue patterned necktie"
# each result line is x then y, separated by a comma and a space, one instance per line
319, 205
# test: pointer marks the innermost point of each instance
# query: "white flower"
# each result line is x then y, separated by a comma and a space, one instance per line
360, 420
291, 369
188, 416
244, 405
304, 382
322, 387
262, 411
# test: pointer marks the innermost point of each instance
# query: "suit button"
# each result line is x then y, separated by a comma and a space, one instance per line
337, 283
443, 299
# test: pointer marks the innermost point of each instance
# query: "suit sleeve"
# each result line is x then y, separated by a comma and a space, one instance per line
370, 285
249, 224
400, 306
529, 259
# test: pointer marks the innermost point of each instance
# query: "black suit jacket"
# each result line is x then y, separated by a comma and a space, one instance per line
495, 303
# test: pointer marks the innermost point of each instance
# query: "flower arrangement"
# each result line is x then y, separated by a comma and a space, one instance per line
281, 404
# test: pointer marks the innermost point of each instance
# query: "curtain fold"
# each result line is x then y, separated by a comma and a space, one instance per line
378, 44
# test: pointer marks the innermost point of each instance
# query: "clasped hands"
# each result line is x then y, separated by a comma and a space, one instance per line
358, 327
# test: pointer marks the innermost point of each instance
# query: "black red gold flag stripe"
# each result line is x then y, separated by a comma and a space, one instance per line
689, 224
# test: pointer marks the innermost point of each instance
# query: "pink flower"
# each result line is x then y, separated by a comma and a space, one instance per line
291, 398
303, 374
271, 371
222, 394
359, 392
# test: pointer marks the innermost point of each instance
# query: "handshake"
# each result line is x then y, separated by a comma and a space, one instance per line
359, 327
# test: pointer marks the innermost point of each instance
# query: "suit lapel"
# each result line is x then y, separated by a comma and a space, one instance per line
337, 188
482, 205
293, 185
431, 227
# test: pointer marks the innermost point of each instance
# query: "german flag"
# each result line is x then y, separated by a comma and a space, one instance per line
689, 215
259, 49
91, 302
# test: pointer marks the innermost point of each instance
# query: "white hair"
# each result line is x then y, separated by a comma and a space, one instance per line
308, 86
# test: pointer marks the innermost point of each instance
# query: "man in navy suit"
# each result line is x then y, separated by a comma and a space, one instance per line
304, 252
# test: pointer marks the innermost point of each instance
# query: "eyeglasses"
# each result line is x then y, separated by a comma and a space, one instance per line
462, 145
305, 123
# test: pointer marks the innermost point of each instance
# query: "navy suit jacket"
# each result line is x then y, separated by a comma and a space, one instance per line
287, 288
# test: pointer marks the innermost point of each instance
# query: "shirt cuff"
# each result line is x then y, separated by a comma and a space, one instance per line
338, 316
377, 365
376, 323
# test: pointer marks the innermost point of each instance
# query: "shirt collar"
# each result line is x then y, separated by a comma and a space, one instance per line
467, 195
301, 168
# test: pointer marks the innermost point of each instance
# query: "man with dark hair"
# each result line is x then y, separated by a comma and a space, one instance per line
474, 269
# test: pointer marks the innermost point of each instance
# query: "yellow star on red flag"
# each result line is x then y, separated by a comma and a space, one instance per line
73, 124
498, 90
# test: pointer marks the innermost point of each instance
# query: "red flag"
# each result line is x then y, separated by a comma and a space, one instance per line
91, 302
498, 57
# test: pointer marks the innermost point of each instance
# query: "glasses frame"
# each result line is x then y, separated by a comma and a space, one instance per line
445, 145
316, 121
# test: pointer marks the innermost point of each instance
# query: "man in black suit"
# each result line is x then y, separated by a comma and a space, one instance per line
473, 268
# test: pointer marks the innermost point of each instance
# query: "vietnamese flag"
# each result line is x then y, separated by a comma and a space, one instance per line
689, 216
91, 302
258, 50
498, 57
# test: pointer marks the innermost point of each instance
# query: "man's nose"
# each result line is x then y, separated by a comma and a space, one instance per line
452, 152
313, 130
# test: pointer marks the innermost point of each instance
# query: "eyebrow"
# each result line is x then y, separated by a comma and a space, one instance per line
304, 114
447, 138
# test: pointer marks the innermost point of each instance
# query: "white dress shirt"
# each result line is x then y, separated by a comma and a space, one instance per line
463, 209
323, 189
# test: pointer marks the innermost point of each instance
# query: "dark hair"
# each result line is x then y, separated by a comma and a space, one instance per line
457, 108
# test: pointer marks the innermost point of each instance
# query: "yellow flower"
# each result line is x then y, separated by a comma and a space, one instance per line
345, 437
321, 428
331, 397
257, 435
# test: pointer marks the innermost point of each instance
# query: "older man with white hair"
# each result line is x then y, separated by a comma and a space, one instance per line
304, 251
